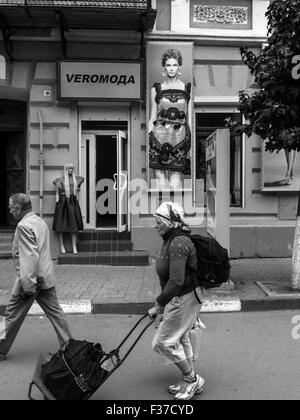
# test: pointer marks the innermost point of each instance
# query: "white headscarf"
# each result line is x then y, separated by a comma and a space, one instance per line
172, 215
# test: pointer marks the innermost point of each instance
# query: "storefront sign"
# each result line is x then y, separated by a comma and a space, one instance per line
2, 68
90, 80
296, 67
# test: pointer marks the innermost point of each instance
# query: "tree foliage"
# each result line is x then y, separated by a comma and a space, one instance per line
273, 111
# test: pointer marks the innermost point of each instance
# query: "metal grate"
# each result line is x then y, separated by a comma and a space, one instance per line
132, 4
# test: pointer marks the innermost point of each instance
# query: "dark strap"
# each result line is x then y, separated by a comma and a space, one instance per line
196, 294
79, 379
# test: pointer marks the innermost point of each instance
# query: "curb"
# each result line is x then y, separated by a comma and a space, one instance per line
140, 308
225, 305
86, 306
69, 307
209, 306
270, 304
72, 307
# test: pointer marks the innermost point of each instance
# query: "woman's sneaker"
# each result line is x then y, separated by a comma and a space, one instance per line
174, 389
189, 389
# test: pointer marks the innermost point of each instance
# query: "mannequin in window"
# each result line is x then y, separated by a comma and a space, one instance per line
67, 216
169, 124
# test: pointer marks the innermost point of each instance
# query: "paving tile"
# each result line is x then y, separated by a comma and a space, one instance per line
136, 283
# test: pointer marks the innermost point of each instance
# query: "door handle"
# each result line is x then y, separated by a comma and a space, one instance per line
122, 179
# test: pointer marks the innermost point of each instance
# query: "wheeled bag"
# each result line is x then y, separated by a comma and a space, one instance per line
77, 370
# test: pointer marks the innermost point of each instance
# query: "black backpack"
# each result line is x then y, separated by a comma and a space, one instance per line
213, 261
74, 372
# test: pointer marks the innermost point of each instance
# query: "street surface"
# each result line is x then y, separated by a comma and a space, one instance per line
248, 356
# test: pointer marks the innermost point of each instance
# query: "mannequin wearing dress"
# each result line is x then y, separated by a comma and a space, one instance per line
67, 216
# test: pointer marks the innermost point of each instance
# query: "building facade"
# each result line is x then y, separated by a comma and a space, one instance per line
75, 79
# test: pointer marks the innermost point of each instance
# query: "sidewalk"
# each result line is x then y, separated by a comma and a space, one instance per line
260, 284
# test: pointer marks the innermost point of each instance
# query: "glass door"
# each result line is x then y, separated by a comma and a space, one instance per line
122, 181
87, 195
104, 160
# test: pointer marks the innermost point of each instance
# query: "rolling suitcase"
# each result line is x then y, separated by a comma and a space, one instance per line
77, 370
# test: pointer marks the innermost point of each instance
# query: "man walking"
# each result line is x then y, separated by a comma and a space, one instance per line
35, 275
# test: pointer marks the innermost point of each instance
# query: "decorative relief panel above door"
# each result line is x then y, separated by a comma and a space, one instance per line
221, 14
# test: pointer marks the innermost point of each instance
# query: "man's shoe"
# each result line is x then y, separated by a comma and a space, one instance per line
174, 389
2, 357
188, 389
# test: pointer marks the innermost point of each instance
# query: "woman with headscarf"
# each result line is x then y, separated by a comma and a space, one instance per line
67, 215
176, 268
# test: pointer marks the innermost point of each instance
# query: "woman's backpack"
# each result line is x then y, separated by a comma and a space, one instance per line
213, 262
213, 267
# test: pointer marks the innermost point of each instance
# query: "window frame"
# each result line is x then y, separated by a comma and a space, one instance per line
215, 109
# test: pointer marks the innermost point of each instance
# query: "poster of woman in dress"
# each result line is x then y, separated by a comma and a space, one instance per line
281, 171
170, 114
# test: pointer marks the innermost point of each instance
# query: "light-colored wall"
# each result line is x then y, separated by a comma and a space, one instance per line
59, 134
219, 75
245, 241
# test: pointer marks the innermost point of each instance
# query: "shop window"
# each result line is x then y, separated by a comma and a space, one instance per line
221, 14
206, 124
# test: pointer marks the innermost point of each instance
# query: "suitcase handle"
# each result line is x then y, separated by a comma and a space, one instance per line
117, 350
134, 328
